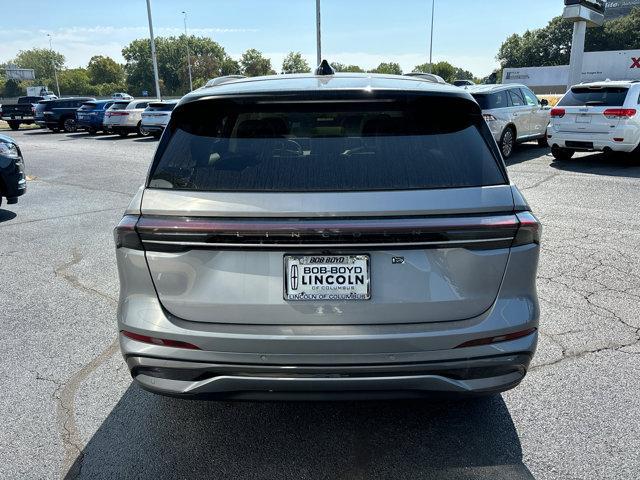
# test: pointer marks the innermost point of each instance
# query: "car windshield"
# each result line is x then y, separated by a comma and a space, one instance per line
88, 106
317, 147
584, 96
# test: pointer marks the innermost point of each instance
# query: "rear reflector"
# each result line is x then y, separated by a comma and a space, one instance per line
125, 235
617, 139
612, 113
158, 341
498, 339
558, 112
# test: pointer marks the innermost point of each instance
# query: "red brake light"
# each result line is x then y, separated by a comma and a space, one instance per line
558, 112
125, 234
529, 230
163, 342
612, 113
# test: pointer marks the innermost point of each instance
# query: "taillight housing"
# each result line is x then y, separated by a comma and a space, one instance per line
125, 234
613, 113
558, 112
529, 230
163, 342
500, 338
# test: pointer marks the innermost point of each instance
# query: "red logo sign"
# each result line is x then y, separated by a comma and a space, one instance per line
636, 62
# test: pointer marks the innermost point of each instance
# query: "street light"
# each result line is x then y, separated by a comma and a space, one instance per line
318, 35
53, 64
433, 11
153, 52
188, 54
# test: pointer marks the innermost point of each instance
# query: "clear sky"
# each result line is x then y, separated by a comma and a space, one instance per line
467, 33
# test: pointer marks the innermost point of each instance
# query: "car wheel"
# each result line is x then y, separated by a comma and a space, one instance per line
544, 141
143, 132
507, 142
562, 153
14, 125
69, 125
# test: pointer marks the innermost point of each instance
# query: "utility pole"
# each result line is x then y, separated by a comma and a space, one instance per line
318, 35
53, 64
153, 52
433, 11
188, 53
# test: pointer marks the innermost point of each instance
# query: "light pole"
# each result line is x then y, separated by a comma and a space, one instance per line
53, 64
318, 35
153, 51
188, 54
433, 11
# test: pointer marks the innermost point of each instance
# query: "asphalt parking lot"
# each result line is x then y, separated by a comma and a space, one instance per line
69, 409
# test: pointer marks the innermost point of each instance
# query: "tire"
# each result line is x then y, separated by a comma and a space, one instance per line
141, 131
69, 125
14, 125
562, 153
507, 142
544, 141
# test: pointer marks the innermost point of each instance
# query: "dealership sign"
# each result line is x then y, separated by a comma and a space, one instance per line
597, 66
619, 8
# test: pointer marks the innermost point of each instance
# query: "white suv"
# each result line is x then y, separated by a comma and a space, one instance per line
600, 116
125, 117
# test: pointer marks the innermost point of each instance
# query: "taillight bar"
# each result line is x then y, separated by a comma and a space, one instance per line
116, 114
558, 112
620, 113
163, 342
183, 233
529, 231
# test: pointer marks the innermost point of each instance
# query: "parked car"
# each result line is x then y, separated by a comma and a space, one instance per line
600, 116
121, 96
125, 117
90, 115
13, 181
430, 77
298, 238
59, 114
19, 113
514, 114
156, 116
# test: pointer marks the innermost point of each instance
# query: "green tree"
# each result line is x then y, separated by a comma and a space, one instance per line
295, 63
74, 81
12, 88
253, 64
551, 45
341, 67
105, 70
388, 68
43, 61
208, 60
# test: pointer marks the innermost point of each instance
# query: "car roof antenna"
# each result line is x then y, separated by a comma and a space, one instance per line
325, 69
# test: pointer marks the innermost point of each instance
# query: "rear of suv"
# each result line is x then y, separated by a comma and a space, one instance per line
125, 117
600, 116
156, 116
514, 114
331, 236
59, 114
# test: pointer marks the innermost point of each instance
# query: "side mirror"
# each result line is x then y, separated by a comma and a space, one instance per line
544, 102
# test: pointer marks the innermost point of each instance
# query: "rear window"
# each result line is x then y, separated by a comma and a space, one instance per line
307, 147
605, 96
119, 105
88, 106
161, 107
493, 100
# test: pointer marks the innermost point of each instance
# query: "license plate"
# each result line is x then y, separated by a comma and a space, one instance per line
326, 278
583, 118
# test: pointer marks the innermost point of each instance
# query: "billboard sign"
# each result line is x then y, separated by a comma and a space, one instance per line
597, 66
14, 73
619, 8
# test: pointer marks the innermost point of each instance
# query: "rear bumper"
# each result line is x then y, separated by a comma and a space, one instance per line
595, 141
329, 361
153, 128
89, 124
22, 119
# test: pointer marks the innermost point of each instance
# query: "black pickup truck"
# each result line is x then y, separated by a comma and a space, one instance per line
59, 114
21, 112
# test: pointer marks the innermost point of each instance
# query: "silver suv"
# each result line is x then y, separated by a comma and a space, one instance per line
514, 114
332, 236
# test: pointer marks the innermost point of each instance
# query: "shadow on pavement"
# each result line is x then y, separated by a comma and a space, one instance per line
152, 437
525, 152
616, 165
6, 215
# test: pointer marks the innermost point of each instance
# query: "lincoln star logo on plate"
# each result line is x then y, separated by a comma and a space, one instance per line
294, 277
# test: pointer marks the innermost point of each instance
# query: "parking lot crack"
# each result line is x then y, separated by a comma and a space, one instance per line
63, 272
